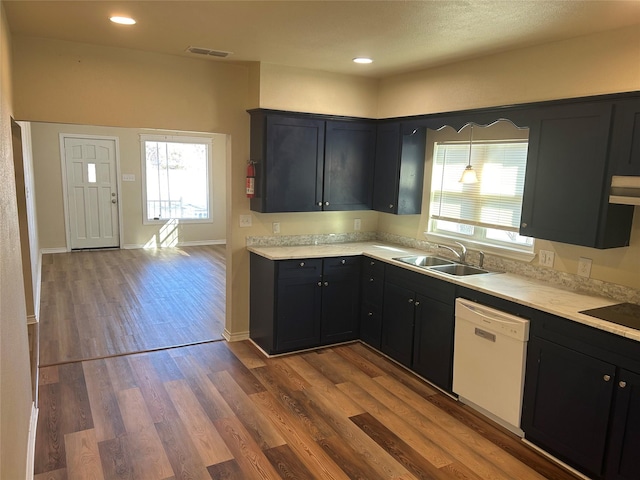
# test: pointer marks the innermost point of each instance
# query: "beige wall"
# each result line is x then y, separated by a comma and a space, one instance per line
15, 377
597, 64
301, 90
49, 190
591, 65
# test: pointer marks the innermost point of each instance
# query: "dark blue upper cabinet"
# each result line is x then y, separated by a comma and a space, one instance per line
307, 163
625, 138
399, 169
348, 165
566, 183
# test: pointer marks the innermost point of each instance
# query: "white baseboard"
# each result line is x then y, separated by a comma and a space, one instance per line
44, 251
235, 337
31, 446
197, 243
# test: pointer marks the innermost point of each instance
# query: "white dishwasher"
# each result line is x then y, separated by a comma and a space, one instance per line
489, 355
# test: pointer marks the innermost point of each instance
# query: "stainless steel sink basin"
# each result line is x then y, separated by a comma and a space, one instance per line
424, 261
458, 269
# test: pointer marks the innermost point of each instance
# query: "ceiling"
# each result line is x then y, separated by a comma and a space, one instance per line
399, 35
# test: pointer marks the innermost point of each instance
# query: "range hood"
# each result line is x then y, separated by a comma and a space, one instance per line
625, 190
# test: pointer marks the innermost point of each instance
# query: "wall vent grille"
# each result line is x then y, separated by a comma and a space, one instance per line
209, 52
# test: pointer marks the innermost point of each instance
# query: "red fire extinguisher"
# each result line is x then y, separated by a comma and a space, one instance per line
251, 179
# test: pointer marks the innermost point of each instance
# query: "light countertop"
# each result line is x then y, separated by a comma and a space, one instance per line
532, 293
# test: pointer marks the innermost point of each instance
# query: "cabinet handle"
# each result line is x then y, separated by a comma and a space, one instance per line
607, 378
417, 303
302, 264
326, 284
343, 262
391, 205
372, 263
371, 314
411, 300
319, 284
524, 225
319, 204
371, 279
326, 204
622, 384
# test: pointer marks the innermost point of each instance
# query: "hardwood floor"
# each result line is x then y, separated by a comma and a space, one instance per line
110, 302
224, 411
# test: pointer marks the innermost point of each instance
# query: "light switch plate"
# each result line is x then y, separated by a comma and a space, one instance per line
245, 220
357, 224
128, 177
546, 258
584, 267
276, 227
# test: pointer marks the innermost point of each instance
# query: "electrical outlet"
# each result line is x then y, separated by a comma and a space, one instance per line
275, 227
357, 224
245, 220
584, 267
546, 258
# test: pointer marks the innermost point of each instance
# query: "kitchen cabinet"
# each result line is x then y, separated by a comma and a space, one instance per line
566, 192
625, 139
399, 169
418, 323
307, 163
569, 412
288, 152
303, 303
371, 310
623, 459
348, 165
433, 341
582, 397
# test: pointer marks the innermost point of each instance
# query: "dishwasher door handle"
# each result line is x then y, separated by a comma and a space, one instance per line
485, 313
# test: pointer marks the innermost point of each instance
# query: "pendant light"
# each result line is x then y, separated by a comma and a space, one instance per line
469, 174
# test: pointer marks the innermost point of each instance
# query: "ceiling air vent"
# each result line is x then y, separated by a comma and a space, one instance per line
208, 51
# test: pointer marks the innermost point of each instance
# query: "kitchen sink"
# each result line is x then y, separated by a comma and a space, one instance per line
424, 261
458, 269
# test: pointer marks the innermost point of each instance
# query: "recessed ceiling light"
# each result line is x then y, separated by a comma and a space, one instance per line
362, 60
123, 20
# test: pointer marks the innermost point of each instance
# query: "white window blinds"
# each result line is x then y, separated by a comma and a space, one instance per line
495, 200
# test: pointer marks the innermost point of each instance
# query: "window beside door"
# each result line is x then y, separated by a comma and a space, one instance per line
177, 178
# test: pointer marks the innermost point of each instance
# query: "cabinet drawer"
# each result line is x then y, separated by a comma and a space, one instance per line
299, 267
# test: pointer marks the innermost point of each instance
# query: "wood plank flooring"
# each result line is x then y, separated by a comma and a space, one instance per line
96, 304
224, 411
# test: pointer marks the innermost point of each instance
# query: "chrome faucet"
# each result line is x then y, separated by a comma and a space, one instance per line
461, 255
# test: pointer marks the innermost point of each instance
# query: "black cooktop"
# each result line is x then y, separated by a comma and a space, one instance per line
626, 314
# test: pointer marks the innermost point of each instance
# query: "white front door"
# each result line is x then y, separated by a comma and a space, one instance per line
92, 193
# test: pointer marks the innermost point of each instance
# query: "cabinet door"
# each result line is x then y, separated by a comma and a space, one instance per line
624, 449
397, 323
625, 141
399, 169
298, 305
348, 165
294, 164
433, 342
386, 175
567, 402
371, 325
566, 168
340, 299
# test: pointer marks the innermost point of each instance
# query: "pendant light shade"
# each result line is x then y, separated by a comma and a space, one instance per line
469, 174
